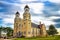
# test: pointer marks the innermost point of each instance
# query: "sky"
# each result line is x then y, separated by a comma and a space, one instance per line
46, 11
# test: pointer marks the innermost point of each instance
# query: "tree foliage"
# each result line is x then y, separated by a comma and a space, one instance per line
0, 30
7, 30
52, 30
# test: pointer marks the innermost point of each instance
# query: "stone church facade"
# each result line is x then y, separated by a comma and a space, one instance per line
24, 27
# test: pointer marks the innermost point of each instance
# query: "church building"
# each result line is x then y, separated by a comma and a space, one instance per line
24, 27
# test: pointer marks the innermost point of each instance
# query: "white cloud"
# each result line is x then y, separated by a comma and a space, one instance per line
37, 19
55, 1
37, 7
28, 0
8, 20
52, 18
8, 3
59, 12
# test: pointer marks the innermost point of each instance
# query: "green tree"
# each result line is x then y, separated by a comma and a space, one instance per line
52, 30
0, 30
9, 31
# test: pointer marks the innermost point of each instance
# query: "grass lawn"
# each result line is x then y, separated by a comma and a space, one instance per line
39, 38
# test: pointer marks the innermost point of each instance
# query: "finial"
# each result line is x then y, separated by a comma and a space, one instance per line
40, 22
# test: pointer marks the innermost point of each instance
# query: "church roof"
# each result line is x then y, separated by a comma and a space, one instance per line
34, 25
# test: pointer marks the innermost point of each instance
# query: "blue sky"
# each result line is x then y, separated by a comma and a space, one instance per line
46, 11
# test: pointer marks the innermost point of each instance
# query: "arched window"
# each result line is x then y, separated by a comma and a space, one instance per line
24, 16
20, 25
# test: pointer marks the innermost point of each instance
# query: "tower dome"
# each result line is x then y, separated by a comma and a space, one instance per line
17, 12
26, 6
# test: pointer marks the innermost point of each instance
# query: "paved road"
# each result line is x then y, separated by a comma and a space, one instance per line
5, 39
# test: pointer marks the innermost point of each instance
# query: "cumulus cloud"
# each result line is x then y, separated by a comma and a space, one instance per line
8, 20
28, 0
58, 11
55, 1
53, 17
37, 19
41, 10
37, 7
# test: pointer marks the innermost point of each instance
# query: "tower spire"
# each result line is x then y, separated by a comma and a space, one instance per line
40, 23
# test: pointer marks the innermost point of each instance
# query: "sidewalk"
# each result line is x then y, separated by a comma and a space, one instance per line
7, 39
4, 39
